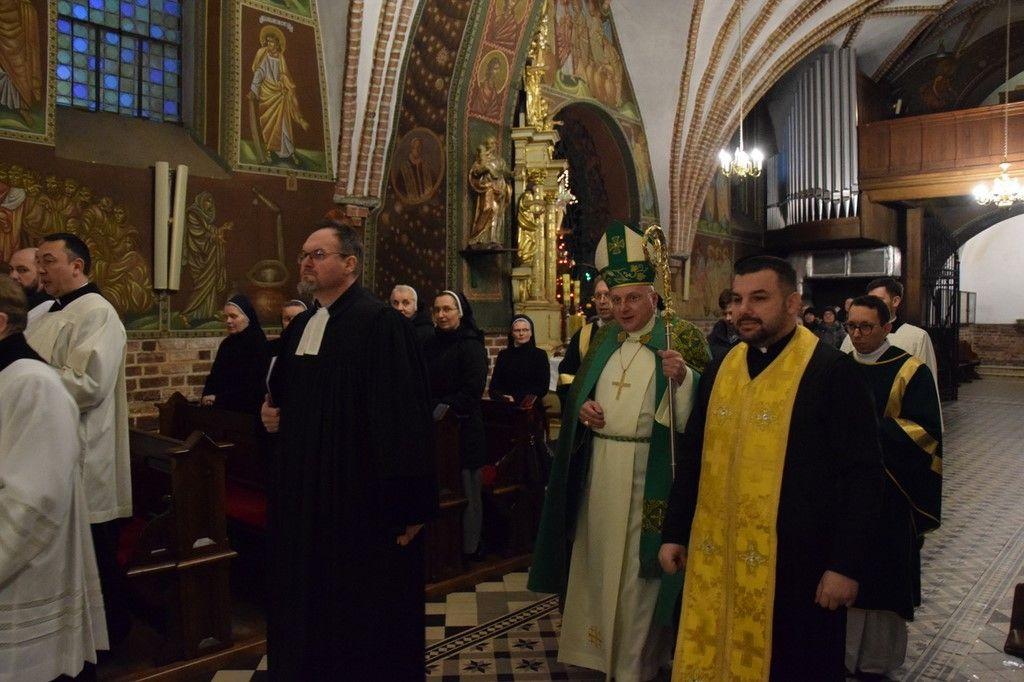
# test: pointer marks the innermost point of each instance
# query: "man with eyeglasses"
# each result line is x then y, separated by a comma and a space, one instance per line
775, 497
579, 344
904, 335
907, 406
353, 479
82, 336
601, 526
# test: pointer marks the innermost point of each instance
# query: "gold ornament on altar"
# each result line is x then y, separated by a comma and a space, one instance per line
536, 106
488, 178
530, 219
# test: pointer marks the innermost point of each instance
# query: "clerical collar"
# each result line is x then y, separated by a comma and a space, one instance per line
65, 300
758, 358
14, 348
313, 332
872, 357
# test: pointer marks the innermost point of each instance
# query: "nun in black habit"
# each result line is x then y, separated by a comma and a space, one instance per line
237, 378
522, 369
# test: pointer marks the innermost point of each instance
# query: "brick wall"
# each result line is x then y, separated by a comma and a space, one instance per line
996, 344
156, 368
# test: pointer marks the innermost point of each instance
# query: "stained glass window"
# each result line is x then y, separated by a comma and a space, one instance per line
121, 56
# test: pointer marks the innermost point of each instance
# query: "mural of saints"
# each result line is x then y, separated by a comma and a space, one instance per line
12, 201
273, 105
21, 71
205, 259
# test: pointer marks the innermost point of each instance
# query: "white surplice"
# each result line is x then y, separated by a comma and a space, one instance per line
607, 623
51, 608
85, 342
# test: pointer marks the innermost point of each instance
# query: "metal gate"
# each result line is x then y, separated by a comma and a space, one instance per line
940, 300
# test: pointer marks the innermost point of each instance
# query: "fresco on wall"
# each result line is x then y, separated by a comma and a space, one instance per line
418, 166
409, 237
26, 90
42, 205
300, 7
280, 118
585, 63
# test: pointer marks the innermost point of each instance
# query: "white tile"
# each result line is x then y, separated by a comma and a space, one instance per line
263, 664
232, 676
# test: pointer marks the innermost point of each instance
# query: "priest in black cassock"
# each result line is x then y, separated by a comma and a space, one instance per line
908, 410
776, 496
353, 481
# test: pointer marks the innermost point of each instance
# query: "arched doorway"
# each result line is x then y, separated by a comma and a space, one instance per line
602, 176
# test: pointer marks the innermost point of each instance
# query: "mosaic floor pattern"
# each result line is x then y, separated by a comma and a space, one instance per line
503, 632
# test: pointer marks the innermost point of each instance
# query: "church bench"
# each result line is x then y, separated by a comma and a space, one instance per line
443, 542
245, 497
967, 362
174, 552
515, 495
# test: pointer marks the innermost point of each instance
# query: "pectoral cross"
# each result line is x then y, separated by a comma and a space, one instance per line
621, 384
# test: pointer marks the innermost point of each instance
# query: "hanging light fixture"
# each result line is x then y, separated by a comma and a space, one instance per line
1004, 190
741, 163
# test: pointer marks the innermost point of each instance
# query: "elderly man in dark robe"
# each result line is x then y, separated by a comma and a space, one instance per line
354, 480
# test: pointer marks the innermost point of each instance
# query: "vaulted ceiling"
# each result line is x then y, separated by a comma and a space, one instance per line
682, 59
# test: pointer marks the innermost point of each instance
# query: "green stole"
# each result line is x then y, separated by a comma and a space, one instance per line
550, 569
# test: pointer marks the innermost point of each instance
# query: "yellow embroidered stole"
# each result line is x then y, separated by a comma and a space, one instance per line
729, 591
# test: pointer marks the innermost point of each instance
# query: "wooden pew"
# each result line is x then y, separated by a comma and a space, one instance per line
444, 535
245, 468
512, 505
175, 551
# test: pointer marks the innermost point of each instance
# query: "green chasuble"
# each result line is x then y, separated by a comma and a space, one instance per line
553, 549
910, 429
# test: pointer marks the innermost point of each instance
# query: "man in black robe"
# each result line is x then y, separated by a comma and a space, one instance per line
907, 406
579, 344
811, 530
352, 483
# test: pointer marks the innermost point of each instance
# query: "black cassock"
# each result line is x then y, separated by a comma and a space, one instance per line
354, 467
828, 505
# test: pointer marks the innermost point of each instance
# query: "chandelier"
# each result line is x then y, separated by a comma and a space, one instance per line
740, 163
1004, 190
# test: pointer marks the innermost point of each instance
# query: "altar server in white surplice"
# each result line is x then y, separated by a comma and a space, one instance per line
83, 338
51, 609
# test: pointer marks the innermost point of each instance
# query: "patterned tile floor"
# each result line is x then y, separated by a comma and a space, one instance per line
502, 632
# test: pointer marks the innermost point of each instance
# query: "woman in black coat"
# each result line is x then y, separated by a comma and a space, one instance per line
237, 380
457, 366
521, 369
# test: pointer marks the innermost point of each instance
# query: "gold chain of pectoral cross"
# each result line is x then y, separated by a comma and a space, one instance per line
621, 383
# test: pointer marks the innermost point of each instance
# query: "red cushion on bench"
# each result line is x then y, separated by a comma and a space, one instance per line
245, 505
128, 540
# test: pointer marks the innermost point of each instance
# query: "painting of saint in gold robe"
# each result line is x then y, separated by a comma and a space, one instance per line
21, 64
273, 104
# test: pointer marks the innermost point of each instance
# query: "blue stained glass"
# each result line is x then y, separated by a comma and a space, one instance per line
127, 55
156, 76
63, 56
111, 38
156, 32
80, 12
171, 65
127, 9
142, 3
171, 108
96, 4
80, 91
127, 24
63, 7
64, 26
64, 72
127, 99
92, 63
172, 8
110, 82
80, 44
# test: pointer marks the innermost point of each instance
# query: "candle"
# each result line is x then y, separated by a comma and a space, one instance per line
566, 289
161, 212
576, 284
178, 226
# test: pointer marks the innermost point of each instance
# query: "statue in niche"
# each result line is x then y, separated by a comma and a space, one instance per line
488, 177
530, 221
